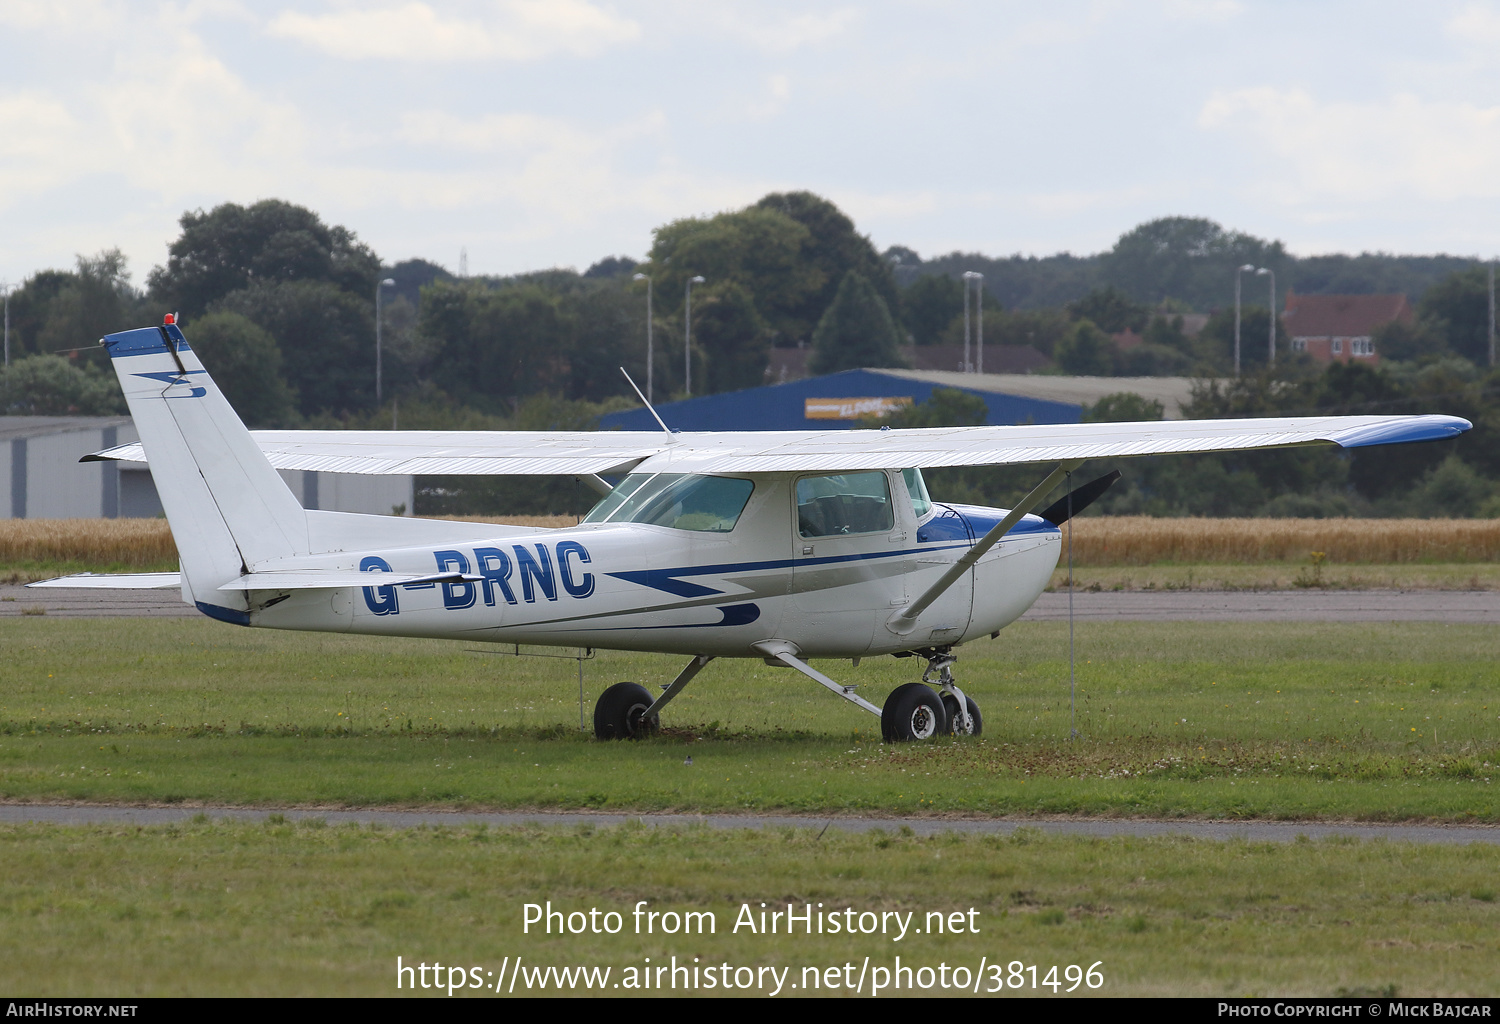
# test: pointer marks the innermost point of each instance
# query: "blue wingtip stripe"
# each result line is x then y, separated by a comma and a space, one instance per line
1423, 428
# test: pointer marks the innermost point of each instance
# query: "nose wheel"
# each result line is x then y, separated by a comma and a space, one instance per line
963, 714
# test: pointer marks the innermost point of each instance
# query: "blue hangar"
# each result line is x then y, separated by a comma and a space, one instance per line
841, 400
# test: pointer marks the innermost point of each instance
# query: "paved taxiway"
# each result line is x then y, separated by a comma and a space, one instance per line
1257, 831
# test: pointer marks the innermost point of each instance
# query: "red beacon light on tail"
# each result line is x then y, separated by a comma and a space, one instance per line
169, 319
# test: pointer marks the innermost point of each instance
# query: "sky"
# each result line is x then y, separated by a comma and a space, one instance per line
542, 133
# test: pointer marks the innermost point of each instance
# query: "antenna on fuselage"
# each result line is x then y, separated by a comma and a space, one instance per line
648, 406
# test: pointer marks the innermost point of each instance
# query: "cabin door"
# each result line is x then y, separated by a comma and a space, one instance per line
847, 542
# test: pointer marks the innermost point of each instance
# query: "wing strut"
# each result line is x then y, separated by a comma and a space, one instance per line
905, 620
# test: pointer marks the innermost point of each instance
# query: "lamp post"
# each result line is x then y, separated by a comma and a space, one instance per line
650, 353
969, 276
1271, 356
1492, 314
687, 336
979, 323
6, 288
1237, 272
387, 283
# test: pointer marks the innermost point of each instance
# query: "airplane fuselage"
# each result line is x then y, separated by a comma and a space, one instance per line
643, 587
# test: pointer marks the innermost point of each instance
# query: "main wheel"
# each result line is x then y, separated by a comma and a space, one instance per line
950, 707
619, 713
912, 712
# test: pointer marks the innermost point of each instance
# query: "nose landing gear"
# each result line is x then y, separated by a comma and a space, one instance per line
963, 714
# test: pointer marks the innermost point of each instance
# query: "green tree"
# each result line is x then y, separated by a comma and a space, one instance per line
1111, 310
1215, 343
235, 247
735, 341
1187, 258
1086, 351
833, 248
1123, 407
758, 249
856, 331
1403, 342
326, 337
1457, 308
51, 385
946, 407
498, 345
929, 304
63, 311
609, 331
246, 364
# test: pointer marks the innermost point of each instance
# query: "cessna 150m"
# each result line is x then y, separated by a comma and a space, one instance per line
784, 546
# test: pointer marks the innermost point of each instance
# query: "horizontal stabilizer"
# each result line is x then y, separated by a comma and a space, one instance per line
333, 579
115, 581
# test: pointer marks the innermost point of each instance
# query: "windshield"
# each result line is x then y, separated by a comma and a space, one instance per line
917, 488
680, 501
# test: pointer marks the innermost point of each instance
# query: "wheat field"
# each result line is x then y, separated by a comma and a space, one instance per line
1097, 542
1143, 540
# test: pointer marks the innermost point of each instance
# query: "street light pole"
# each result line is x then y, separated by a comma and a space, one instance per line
1271, 359
969, 276
1237, 272
650, 353
6, 287
979, 325
687, 336
387, 283
1492, 314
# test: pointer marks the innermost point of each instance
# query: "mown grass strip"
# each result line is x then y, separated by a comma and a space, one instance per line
214, 908
1370, 721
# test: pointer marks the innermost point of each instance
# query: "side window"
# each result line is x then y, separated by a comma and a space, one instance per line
831, 506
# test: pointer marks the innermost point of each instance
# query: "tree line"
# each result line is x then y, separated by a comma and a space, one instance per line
281, 307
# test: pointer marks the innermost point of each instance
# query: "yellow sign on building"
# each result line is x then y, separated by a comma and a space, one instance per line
852, 408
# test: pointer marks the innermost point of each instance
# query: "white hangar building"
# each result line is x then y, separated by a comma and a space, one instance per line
41, 477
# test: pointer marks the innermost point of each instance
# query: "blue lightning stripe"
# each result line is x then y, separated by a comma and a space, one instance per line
670, 580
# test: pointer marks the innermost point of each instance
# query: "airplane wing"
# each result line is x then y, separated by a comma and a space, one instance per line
515, 453
443, 452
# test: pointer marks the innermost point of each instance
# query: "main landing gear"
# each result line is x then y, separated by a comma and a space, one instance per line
626, 711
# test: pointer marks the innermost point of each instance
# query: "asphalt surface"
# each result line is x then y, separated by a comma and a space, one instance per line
1466, 606
1459, 606
1268, 831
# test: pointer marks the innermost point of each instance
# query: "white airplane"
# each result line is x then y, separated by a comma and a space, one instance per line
783, 546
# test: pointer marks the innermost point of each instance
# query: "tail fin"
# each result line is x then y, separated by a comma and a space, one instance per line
228, 508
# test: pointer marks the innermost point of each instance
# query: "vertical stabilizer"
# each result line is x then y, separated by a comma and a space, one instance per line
228, 508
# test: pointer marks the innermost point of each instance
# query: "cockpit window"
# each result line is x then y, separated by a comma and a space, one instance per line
680, 501
917, 488
828, 506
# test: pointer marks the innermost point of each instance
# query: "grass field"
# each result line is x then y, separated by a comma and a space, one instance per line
1375, 721
237, 909
1264, 720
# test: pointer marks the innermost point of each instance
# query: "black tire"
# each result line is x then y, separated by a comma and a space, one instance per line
912, 712
618, 713
950, 707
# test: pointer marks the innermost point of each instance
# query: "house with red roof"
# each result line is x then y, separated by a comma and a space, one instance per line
1341, 327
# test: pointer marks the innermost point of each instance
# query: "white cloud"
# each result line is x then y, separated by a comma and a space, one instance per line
1364, 152
1476, 24
517, 30
765, 29
1203, 10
